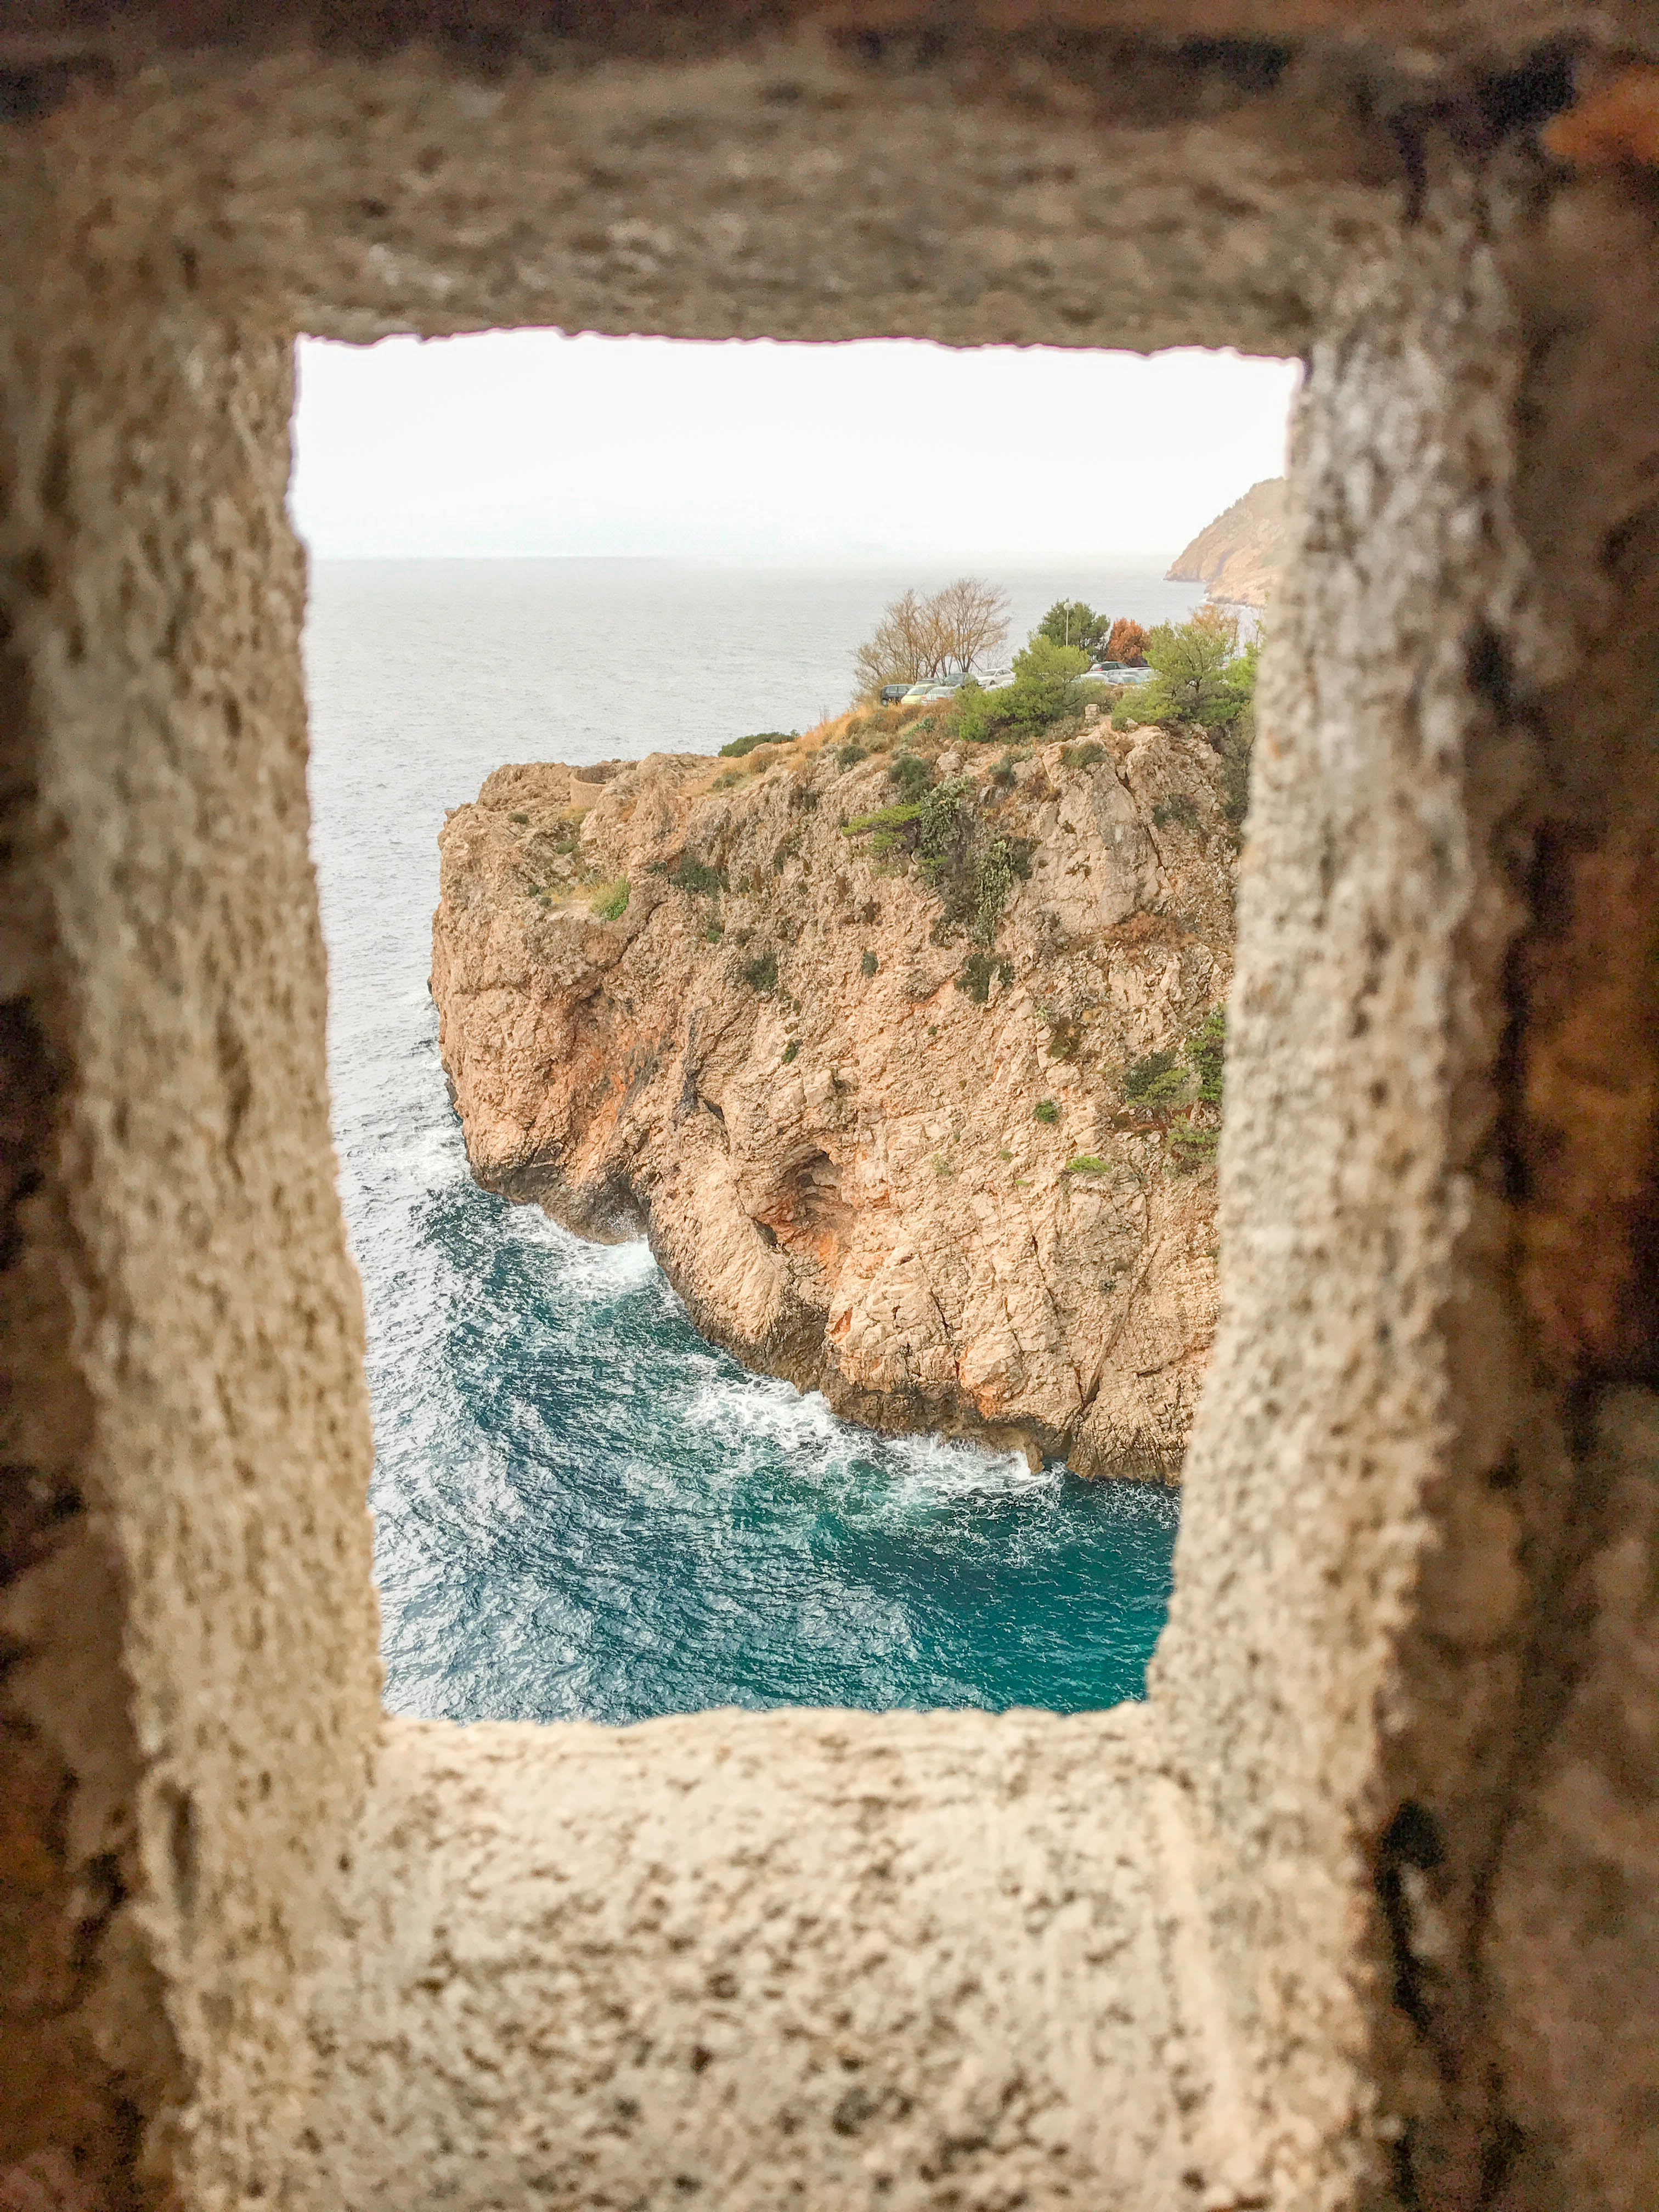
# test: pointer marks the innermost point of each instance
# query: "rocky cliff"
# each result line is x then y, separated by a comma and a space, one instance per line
1237, 556
877, 1090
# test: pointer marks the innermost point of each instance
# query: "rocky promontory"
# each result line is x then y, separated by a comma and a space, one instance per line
895, 1057
1237, 557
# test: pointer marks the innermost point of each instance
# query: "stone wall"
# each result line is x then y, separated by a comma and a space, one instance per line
1359, 1909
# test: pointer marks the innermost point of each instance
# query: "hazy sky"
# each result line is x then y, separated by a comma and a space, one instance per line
530, 442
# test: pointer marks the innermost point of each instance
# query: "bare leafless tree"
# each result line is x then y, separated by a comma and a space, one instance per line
959, 628
971, 619
900, 649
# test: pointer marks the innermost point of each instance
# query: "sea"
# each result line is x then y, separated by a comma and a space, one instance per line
583, 1510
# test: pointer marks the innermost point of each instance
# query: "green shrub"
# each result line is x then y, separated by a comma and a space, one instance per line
1045, 690
791, 1051
1003, 774
945, 835
868, 965
994, 883
1153, 1077
1201, 675
713, 930
1084, 755
1205, 1050
1235, 745
910, 775
891, 826
971, 873
729, 781
761, 974
1046, 1111
520, 819
974, 977
610, 901
1181, 807
1191, 1149
977, 974
692, 875
852, 753
1087, 1163
981, 716
740, 748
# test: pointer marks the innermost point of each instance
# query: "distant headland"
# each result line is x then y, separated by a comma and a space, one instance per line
1237, 557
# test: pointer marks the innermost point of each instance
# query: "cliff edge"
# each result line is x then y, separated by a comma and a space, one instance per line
862, 1081
1237, 556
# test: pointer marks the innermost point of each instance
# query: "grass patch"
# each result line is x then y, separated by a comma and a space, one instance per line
1179, 807
1087, 1163
1085, 756
740, 748
610, 901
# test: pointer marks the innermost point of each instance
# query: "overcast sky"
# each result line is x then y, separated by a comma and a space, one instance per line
531, 442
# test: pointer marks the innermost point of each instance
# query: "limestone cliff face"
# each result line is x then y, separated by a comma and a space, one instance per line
1237, 556
776, 1064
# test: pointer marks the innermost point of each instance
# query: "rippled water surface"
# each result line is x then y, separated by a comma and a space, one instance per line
582, 1510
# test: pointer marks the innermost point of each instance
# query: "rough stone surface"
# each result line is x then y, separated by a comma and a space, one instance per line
1361, 1911
837, 1958
189, 1415
841, 1172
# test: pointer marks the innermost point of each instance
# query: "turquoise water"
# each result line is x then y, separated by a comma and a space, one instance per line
583, 1510
593, 1514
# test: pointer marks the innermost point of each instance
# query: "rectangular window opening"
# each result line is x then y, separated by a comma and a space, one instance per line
897, 1020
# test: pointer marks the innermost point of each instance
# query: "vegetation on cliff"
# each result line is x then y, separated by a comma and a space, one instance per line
900, 1037
859, 1048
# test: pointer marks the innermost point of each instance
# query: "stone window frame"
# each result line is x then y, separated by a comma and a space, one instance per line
1357, 1908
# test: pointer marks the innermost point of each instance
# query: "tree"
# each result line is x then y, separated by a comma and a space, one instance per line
1127, 643
1200, 674
899, 651
1074, 622
959, 628
970, 624
1045, 686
